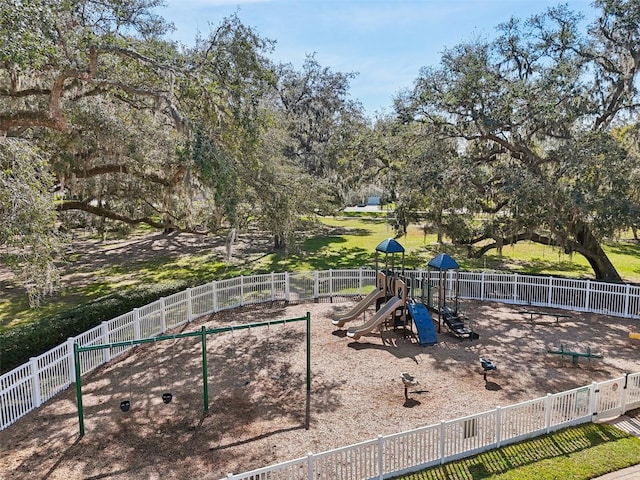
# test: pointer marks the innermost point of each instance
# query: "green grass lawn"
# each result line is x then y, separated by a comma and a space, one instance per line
108, 279
576, 453
354, 246
345, 242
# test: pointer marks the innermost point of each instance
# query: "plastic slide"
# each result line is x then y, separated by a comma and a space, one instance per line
380, 316
424, 323
359, 308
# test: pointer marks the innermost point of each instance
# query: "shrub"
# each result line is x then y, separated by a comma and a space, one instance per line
23, 342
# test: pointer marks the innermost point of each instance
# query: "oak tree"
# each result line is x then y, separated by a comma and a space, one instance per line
532, 113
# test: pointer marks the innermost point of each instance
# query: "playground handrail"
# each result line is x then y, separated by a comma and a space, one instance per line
33, 383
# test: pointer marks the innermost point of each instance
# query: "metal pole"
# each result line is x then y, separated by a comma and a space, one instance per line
308, 409
76, 362
205, 375
196, 333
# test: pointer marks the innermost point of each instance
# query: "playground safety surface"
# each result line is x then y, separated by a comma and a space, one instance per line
258, 400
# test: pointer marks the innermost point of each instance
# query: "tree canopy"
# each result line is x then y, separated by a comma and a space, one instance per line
534, 114
107, 123
133, 128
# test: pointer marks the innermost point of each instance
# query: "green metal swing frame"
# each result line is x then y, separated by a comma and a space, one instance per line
202, 333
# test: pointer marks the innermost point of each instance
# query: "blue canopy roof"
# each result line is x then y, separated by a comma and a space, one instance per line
389, 245
442, 261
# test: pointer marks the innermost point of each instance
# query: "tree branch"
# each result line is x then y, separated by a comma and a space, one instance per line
105, 213
124, 169
569, 246
27, 119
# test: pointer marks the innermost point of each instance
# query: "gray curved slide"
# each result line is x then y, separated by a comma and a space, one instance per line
380, 316
360, 307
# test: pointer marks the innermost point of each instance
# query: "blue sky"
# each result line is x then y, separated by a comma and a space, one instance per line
386, 42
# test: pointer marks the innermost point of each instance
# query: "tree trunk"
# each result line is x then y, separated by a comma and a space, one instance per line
585, 243
278, 241
589, 247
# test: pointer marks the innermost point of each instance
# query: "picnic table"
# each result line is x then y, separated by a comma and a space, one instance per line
531, 313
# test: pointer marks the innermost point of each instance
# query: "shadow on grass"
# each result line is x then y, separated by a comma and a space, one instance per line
559, 445
539, 266
317, 243
337, 259
632, 249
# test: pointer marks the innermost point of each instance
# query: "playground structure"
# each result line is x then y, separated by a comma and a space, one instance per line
393, 309
443, 298
167, 396
455, 323
391, 306
378, 294
575, 355
439, 291
633, 335
393, 300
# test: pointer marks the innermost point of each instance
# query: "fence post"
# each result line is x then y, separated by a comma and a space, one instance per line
273, 286
310, 466
593, 399
163, 315
241, 290
380, 457
331, 284
360, 280
316, 287
587, 296
136, 324
71, 357
627, 293
482, 286
36, 400
106, 352
547, 413
498, 426
623, 395
442, 441
550, 296
287, 287
515, 288
214, 286
189, 305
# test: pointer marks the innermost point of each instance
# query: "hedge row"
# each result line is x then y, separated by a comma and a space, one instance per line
23, 342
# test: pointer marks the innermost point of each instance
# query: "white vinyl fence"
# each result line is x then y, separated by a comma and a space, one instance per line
28, 386
414, 450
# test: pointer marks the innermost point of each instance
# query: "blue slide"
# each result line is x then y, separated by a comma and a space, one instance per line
424, 323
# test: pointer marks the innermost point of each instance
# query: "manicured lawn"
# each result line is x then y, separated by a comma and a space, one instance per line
355, 244
85, 286
576, 453
346, 242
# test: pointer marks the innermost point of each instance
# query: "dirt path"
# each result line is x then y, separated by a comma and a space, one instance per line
257, 392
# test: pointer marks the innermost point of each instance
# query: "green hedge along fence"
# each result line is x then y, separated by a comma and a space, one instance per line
21, 343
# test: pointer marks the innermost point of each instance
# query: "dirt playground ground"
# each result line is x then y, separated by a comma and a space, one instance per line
258, 403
